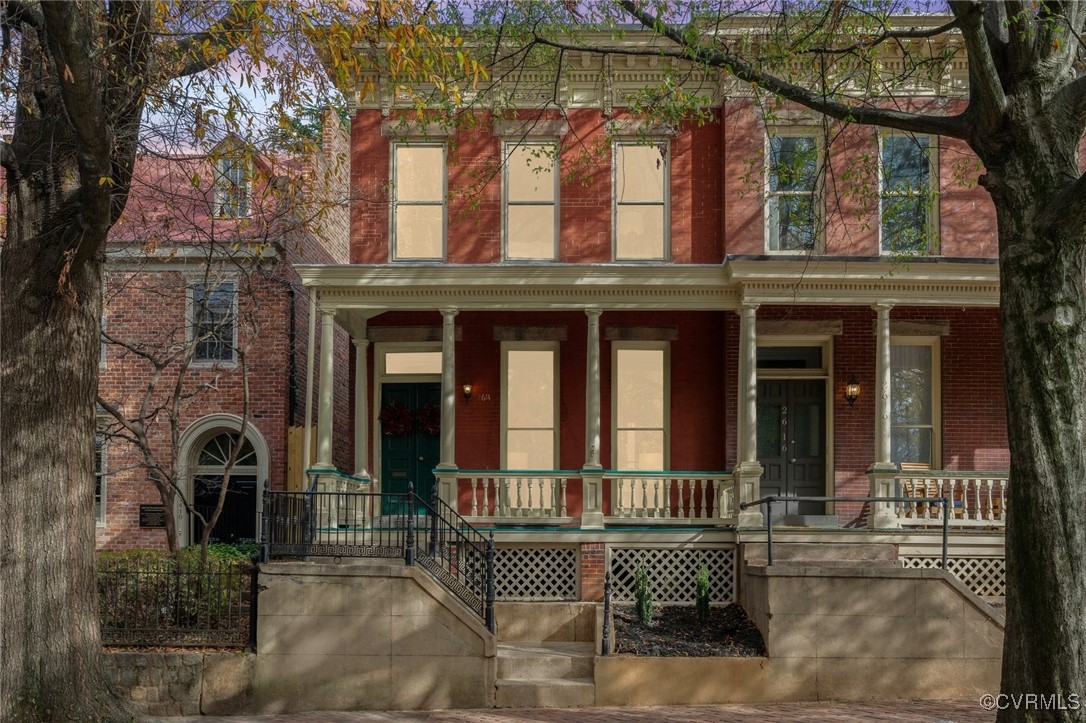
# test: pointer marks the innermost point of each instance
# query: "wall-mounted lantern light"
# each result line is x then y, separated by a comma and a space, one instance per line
852, 391
467, 392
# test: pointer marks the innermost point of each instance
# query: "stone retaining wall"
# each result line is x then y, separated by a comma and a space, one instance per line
169, 684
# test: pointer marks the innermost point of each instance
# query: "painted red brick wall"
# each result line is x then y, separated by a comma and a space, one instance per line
973, 412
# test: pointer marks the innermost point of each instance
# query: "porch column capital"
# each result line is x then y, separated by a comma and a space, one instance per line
449, 313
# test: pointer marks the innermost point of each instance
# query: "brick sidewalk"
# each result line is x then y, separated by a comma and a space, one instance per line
958, 711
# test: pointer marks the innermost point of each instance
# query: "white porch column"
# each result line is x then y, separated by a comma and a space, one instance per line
448, 389
592, 393
880, 475
361, 409
325, 403
882, 385
748, 473
592, 474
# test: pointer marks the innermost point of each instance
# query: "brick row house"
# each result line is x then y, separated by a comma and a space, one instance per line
202, 265
599, 336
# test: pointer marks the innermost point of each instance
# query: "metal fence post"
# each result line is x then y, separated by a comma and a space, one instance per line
946, 526
605, 644
409, 542
490, 594
254, 596
769, 532
265, 525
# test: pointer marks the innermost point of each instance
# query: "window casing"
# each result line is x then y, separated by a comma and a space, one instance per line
792, 193
914, 401
530, 201
640, 196
213, 322
641, 405
231, 188
418, 202
529, 405
907, 194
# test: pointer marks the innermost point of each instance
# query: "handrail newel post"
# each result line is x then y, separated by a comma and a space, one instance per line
490, 592
605, 643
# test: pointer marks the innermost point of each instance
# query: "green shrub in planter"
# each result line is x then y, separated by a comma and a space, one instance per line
643, 595
701, 594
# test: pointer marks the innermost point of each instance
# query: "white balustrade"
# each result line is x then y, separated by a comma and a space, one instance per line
976, 499
513, 495
671, 496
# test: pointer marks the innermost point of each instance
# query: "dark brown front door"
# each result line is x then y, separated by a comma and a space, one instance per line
792, 442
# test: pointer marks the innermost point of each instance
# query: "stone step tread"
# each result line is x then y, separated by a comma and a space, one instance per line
545, 683
536, 649
821, 551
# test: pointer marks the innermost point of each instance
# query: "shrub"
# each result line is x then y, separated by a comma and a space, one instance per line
643, 594
701, 594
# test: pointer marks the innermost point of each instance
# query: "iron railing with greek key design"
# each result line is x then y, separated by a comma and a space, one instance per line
458, 555
335, 524
429, 534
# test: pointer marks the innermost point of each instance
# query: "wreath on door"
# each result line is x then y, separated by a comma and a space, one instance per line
429, 419
395, 420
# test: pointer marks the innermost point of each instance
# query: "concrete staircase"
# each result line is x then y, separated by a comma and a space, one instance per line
546, 655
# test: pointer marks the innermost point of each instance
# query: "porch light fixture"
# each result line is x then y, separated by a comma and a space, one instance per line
467, 392
852, 391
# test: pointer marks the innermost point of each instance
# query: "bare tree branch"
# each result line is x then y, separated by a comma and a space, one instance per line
987, 101
954, 126
206, 49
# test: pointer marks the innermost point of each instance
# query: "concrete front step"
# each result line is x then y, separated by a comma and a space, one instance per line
822, 553
525, 660
548, 693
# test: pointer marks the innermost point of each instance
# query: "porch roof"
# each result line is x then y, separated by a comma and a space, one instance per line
372, 289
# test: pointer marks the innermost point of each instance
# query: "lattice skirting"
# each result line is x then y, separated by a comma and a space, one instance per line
672, 572
537, 573
986, 576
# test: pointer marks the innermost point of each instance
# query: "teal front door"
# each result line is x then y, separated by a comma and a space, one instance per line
410, 456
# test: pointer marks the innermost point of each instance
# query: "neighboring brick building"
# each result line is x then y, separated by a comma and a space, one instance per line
659, 323
228, 229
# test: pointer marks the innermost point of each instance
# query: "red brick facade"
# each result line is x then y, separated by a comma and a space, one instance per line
716, 213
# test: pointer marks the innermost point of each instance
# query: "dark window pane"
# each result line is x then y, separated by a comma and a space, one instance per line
795, 223
793, 163
911, 445
213, 327
789, 357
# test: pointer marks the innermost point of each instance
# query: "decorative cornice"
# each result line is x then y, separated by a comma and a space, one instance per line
674, 286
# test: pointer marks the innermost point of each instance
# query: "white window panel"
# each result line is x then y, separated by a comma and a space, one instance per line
413, 362
529, 407
418, 202
640, 201
530, 201
641, 403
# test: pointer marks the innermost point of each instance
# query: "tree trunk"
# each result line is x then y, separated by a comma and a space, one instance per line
1043, 307
50, 304
49, 377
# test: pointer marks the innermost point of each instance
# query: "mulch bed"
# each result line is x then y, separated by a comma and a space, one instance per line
676, 633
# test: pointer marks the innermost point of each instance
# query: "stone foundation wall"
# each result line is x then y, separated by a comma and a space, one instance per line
171, 684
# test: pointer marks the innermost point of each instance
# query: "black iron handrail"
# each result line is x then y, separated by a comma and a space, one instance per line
384, 524
770, 499
458, 555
